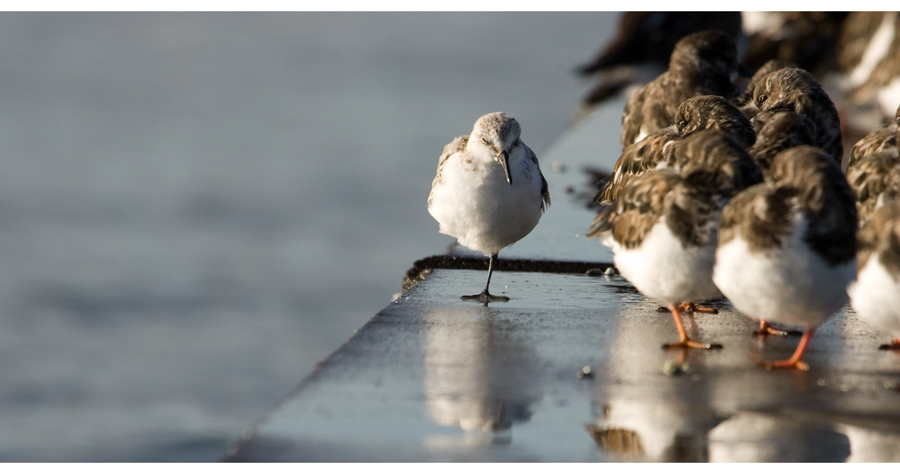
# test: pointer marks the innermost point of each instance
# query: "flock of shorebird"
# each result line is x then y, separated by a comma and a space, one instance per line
720, 190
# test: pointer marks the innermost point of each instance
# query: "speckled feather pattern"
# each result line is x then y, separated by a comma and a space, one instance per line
670, 218
787, 248
701, 64
795, 89
657, 150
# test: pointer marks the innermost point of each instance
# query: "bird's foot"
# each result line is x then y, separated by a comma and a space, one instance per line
690, 344
789, 364
766, 329
893, 346
484, 297
690, 308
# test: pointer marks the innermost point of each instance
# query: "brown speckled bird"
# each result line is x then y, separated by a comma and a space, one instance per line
787, 247
701, 64
662, 229
795, 89
656, 150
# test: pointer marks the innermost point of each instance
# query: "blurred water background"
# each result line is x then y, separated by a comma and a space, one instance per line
196, 208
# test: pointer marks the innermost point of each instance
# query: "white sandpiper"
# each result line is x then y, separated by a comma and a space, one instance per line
489, 191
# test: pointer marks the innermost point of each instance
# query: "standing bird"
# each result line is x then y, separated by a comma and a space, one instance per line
489, 191
657, 150
701, 64
663, 227
876, 294
795, 90
787, 247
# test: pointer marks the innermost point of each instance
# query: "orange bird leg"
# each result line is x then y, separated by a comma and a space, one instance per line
691, 307
794, 362
893, 346
685, 341
765, 329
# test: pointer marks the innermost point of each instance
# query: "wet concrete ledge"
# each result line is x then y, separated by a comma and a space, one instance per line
434, 378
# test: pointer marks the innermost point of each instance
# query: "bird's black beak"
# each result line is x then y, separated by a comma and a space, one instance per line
504, 162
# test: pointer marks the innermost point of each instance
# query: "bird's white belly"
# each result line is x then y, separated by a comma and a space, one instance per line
662, 268
482, 210
791, 285
876, 297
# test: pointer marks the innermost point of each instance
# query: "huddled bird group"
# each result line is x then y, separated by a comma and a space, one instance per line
721, 189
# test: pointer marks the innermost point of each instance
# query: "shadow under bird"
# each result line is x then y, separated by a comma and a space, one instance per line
663, 227
787, 247
489, 192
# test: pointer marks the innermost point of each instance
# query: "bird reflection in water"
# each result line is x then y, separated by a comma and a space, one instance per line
479, 373
758, 437
644, 414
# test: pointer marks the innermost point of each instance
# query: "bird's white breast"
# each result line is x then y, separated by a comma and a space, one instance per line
791, 285
876, 297
662, 268
474, 202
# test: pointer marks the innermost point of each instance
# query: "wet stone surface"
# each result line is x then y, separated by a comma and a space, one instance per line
434, 378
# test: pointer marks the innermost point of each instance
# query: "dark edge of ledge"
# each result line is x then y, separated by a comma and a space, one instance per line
422, 268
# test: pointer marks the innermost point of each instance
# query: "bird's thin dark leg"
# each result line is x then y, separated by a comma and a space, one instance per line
486, 296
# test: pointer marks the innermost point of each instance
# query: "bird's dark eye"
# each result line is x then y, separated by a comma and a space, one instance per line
682, 124
761, 99
485, 141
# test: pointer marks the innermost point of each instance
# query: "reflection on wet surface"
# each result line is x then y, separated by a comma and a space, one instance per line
478, 374
433, 378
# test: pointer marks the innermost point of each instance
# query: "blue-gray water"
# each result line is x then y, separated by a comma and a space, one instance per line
197, 208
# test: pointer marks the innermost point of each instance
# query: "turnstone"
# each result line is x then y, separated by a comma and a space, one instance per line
878, 140
701, 64
657, 149
787, 247
745, 100
489, 191
642, 45
876, 294
795, 89
875, 179
663, 227
874, 169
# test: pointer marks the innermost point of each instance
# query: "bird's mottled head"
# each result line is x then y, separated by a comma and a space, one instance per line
788, 89
498, 132
706, 50
712, 112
